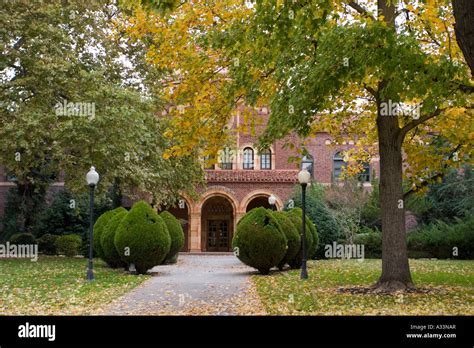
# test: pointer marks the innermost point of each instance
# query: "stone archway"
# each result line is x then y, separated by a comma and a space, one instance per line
259, 201
259, 198
217, 224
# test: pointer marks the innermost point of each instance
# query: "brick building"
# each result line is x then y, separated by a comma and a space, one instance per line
243, 179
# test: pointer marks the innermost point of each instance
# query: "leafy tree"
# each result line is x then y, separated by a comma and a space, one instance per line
57, 53
333, 66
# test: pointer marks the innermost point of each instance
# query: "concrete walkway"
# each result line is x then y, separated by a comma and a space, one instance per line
197, 285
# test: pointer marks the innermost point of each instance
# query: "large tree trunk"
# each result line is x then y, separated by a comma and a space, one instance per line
464, 27
395, 268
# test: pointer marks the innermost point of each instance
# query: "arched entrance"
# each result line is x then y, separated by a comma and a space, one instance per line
260, 201
181, 212
217, 224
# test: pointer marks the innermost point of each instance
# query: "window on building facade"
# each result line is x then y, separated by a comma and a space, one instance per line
248, 158
339, 165
208, 162
364, 176
226, 158
308, 163
266, 159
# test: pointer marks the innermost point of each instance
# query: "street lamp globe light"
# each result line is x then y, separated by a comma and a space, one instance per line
92, 178
304, 177
272, 201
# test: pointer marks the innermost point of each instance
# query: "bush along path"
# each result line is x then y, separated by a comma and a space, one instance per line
196, 285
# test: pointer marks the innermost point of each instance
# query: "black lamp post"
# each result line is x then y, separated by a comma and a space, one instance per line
304, 178
92, 178
272, 201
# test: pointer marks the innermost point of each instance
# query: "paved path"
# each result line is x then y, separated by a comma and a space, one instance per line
197, 285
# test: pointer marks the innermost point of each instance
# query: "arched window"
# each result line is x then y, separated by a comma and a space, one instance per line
308, 163
266, 159
339, 165
248, 158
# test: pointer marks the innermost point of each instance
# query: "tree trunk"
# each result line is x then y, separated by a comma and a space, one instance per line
464, 27
395, 268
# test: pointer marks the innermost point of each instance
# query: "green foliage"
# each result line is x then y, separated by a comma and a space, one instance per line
142, 238
440, 240
372, 242
295, 215
371, 214
259, 241
69, 244
177, 236
99, 227
47, 244
69, 213
450, 199
119, 125
107, 238
315, 245
23, 238
292, 236
320, 214
22, 207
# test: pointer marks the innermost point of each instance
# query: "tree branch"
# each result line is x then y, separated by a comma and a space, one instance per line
360, 9
434, 177
415, 123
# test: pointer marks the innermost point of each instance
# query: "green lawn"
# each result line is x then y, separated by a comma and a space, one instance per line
283, 293
57, 285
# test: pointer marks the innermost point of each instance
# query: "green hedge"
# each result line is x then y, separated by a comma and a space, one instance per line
295, 215
436, 240
259, 241
22, 238
292, 236
439, 239
142, 238
177, 236
99, 226
69, 244
47, 244
107, 240
372, 242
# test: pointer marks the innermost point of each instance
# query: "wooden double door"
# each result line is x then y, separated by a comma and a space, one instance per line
218, 233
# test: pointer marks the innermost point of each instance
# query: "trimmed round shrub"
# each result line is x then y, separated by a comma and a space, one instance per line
292, 236
177, 236
314, 232
142, 238
47, 244
295, 215
259, 241
107, 240
22, 238
69, 244
99, 226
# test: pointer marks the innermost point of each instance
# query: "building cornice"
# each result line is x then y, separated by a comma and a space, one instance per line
239, 175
